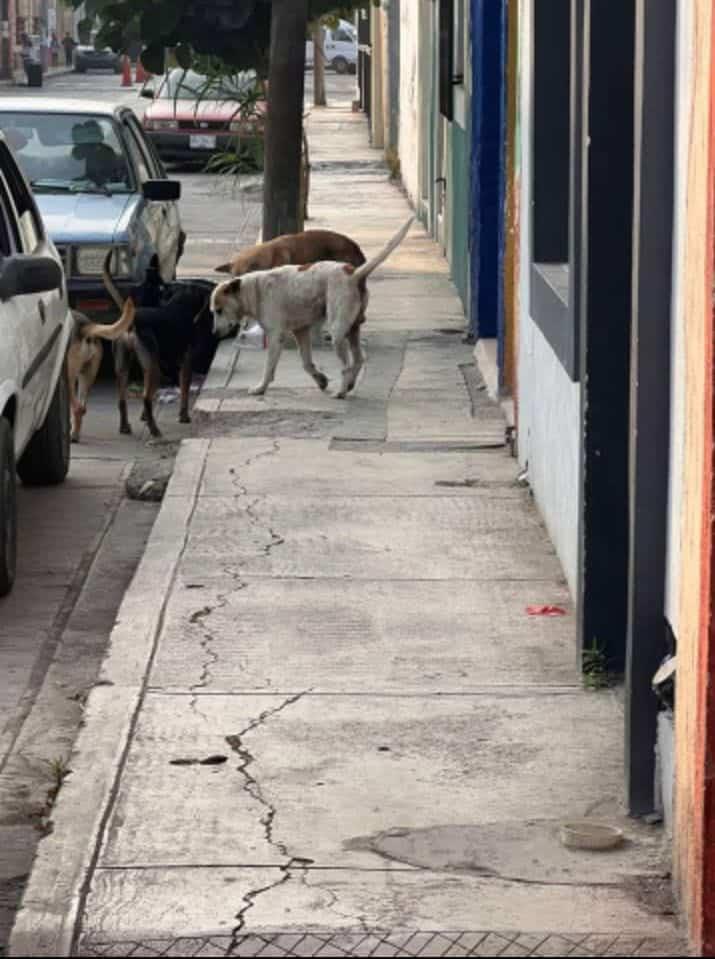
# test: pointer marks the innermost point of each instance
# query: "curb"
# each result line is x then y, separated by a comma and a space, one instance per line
51, 909
46, 78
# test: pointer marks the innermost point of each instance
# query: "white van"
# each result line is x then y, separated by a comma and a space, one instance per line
35, 327
340, 47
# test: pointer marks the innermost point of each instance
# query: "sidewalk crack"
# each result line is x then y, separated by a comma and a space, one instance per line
254, 518
251, 784
249, 900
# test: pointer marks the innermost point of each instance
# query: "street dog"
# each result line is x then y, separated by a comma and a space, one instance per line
311, 246
292, 299
171, 323
84, 357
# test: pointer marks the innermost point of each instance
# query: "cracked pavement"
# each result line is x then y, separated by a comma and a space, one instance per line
337, 592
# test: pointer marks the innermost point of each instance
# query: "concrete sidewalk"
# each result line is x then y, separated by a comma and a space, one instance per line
326, 724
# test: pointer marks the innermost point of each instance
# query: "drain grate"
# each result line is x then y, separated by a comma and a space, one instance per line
395, 943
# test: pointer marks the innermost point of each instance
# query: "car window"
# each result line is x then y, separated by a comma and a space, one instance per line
27, 216
187, 85
68, 153
343, 36
139, 143
139, 160
9, 237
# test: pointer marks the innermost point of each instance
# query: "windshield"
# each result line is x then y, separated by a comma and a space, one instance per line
68, 153
187, 85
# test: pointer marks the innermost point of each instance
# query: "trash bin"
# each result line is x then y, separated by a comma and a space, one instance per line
34, 74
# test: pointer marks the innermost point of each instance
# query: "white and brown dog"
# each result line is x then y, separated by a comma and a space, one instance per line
291, 299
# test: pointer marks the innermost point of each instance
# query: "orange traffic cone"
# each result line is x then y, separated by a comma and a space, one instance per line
126, 72
141, 75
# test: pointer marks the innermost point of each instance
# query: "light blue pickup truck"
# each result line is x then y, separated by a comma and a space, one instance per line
98, 183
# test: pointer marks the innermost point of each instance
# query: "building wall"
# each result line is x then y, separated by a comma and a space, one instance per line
377, 112
684, 93
411, 84
693, 575
549, 402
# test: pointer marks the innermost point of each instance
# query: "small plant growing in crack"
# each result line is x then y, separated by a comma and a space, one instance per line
59, 771
594, 665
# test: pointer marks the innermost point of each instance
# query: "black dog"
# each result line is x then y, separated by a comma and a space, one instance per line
172, 326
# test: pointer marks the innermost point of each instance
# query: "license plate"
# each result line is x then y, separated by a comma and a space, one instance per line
200, 141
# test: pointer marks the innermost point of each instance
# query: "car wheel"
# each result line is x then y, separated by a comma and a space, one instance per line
340, 65
46, 460
8, 509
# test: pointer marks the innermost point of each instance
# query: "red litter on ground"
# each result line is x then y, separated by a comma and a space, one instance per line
545, 611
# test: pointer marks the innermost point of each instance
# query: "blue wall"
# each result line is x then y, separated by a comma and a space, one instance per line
488, 168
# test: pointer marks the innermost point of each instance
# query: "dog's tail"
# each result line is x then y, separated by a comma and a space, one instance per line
364, 271
106, 332
109, 283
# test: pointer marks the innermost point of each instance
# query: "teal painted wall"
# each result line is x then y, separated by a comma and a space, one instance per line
459, 213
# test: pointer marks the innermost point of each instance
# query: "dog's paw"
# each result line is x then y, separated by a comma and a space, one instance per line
74, 438
184, 418
126, 429
257, 390
339, 395
322, 380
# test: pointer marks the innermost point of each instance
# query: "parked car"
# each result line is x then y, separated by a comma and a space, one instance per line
88, 58
190, 119
340, 47
35, 327
99, 184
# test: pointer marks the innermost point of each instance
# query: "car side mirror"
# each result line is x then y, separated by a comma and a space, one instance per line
161, 191
21, 275
147, 93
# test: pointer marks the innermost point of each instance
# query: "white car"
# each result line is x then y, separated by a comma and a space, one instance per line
35, 328
340, 47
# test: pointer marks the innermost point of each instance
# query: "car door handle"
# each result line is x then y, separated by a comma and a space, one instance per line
43, 312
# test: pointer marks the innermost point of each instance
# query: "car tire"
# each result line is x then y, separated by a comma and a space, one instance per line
8, 509
46, 460
340, 65
80, 69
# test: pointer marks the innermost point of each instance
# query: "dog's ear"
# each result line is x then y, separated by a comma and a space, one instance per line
233, 287
224, 268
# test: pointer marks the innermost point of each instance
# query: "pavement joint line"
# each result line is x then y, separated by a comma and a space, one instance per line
511, 690
316, 867
260, 577
79, 902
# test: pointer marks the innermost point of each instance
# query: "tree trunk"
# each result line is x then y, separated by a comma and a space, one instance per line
284, 123
319, 99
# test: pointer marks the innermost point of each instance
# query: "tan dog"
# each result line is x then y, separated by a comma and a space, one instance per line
84, 356
311, 246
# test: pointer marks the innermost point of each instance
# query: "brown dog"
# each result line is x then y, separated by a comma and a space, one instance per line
84, 356
312, 246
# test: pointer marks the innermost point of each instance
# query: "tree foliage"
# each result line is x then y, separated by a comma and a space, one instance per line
236, 31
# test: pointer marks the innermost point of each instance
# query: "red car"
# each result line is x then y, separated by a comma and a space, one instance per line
192, 118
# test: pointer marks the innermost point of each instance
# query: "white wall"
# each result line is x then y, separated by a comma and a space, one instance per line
549, 402
677, 368
410, 124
